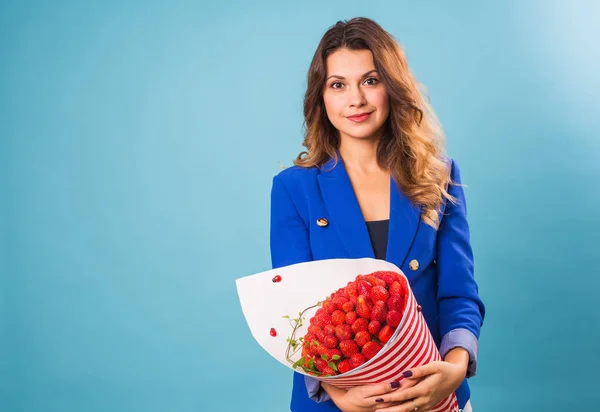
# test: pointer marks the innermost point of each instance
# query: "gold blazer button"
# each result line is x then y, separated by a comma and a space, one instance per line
322, 222
413, 265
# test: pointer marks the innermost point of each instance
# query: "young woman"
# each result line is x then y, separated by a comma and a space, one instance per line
375, 182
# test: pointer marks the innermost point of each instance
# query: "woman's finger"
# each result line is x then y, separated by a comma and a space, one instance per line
378, 389
421, 371
418, 404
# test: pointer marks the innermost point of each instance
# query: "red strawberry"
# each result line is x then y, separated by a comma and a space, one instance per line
351, 291
339, 302
360, 324
362, 337
345, 366
314, 329
323, 320
349, 347
375, 281
329, 306
322, 350
338, 317
351, 317
348, 306
379, 311
341, 292
330, 341
321, 364
332, 352
374, 327
309, 337
313, 348
357, 359
363, 288
343, 332
328, 372
313, 320
395, 288
320, 312
379, 293
387, 277
396, 303
393, 318
371, 349
385, 334
329, 329
362, 308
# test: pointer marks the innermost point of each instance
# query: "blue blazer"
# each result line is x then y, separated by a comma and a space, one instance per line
443, 284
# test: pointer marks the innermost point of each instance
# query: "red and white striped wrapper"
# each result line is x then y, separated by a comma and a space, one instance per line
265, 302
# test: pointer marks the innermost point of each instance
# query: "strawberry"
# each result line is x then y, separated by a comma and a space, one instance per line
349, 347
309, 337
375, 281
348, 306
322, 350
387, 277
362, 308
320, 312
374, 327
379, 311
339, 302
393, 318
362, 337
396, 303
321, 364
341, 292
371, 349
351, 317
343, 332
379, 293
313, 348
360, 324
329, 306
330, 341
338, 317
351, 291
395, 288
363, 288
314, 329
332, 352
313, 320
329, 329
357, 359
345, 366
323, 320
328, 372
385, 334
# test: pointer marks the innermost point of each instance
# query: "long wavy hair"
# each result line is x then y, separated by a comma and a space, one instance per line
412, 147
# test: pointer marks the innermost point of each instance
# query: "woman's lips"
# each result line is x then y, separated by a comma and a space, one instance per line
359, 118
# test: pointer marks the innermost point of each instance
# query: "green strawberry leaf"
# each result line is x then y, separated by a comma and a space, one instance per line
286, 317
299, 362
324, 357
336, 357
332, 366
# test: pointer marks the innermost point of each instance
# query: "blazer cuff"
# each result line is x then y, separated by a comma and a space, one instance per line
315, 392
462, 338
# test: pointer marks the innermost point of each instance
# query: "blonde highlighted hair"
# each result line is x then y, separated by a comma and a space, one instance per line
412, 147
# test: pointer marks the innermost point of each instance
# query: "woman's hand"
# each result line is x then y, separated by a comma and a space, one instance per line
363, 398
435, 381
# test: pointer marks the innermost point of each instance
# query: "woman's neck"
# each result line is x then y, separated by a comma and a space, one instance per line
359, 154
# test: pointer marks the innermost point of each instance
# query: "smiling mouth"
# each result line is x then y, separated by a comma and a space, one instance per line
359, 118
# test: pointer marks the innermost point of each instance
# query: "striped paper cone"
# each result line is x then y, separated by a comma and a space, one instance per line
268, 296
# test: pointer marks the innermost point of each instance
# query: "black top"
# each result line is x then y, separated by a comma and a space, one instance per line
378, 231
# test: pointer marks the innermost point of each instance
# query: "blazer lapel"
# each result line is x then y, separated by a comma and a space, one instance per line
405, 219
344, 210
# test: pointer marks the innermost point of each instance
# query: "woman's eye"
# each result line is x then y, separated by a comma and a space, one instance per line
371, 81
337, 85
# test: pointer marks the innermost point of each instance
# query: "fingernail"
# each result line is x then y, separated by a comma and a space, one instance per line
379, 400
407, 374
395, 385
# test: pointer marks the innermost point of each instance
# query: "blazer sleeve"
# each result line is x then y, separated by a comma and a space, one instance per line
290, 244
461, 309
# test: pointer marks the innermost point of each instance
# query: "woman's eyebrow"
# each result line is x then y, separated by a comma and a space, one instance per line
343, 78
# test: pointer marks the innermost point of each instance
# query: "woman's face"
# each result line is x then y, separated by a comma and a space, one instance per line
355, 99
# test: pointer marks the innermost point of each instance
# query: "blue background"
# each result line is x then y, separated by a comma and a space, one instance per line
138, 143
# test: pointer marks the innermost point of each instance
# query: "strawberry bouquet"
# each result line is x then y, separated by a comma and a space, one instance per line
357, 321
